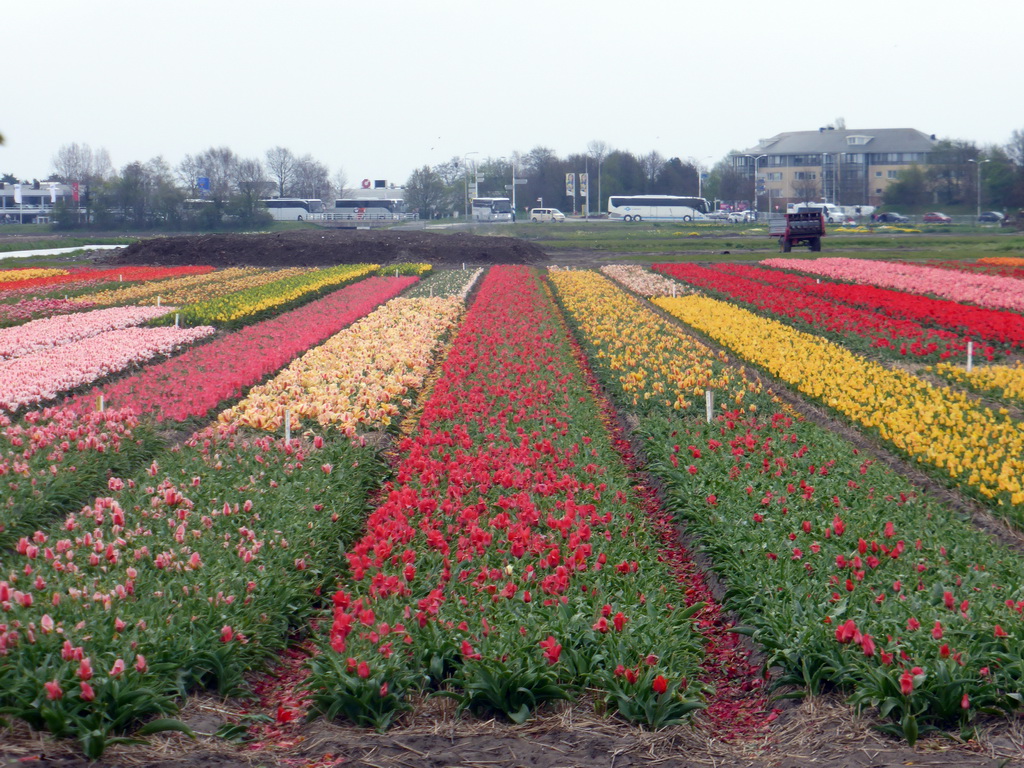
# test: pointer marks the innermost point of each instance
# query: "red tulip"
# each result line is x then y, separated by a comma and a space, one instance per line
660, 684
906, 683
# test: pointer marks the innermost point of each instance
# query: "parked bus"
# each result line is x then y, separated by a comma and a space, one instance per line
368, 209
492, 209
294, 209
657, 208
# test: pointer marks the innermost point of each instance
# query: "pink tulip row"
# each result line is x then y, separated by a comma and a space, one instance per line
50, 332
56, 431
194, 383
42, 376
983, 290
31, 307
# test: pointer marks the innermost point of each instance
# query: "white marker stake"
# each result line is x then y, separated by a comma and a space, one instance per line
101, 402
709, 402
463, 266
120, 278
970, 356
287, 426
176, 316
158, 301
673, 290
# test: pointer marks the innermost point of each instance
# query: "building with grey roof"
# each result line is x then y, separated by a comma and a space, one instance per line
836, 165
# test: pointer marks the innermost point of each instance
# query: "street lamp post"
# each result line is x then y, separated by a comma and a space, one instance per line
465, 168
697, 164
979, 163
755, 159
598, 158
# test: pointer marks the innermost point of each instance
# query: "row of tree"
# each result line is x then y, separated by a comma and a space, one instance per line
154, 193
959, 173
446, 188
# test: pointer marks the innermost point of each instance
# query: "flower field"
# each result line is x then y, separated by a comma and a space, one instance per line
936, 426
57, 331
239, 359
1003, 382
408, 484
976, 323
984, 290
859, 328
77, 279
510, 561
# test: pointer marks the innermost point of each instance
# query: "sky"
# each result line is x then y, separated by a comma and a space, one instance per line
378, 89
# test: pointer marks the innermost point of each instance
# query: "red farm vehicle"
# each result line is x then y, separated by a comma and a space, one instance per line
804, 226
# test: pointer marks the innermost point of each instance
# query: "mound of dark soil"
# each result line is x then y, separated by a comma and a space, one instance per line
324, 247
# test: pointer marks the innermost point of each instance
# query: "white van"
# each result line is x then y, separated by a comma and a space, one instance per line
546, 214
833, 213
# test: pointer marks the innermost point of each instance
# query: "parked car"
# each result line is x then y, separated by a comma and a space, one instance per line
741, 217
892, 218
991, 217
546, 214
936, 218
718, 216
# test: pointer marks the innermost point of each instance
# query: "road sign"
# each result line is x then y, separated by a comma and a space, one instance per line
509, 187
479, 178
520, 181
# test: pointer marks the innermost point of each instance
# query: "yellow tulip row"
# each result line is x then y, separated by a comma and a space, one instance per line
1004, 381
12, 275
245, 303
934, 425
242, 279
214, 283
361, 378
654, 363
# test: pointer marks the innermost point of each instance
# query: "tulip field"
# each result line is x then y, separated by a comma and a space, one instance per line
420, 483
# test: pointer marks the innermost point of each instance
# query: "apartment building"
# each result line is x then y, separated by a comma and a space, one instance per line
835, 165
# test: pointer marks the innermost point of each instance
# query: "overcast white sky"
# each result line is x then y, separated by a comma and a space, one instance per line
379, 88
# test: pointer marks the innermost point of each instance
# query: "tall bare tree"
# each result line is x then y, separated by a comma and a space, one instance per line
252, 184
807, 189
652, 163
188, 172
74, 162
218, 164
281, 163
339, 183
312, 179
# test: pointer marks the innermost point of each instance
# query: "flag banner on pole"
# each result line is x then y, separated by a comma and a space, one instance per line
17, 193
570, 184
584, 183
53, 193
74, 191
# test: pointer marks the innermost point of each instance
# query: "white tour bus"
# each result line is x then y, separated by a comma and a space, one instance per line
492, 209
294, 208
657, 208
368, 209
